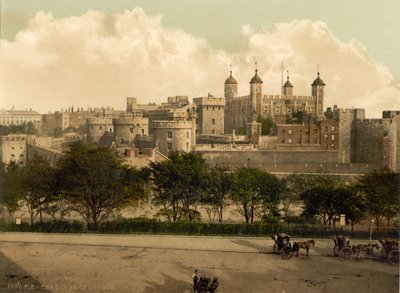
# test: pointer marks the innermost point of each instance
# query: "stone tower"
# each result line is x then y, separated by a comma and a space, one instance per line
256, 93
288, 88
231, 87
317, 91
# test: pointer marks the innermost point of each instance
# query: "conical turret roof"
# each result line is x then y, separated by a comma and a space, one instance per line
256, 79
318, 81
230, 80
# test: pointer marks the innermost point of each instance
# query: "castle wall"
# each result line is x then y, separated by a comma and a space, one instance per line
285, 162
50, 155
377, 142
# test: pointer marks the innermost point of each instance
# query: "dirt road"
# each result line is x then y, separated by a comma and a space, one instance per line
130, 263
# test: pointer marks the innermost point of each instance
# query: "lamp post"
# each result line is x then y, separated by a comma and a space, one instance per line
370, 231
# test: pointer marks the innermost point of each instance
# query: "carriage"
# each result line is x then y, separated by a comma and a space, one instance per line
390, 250
282, 245
342, 247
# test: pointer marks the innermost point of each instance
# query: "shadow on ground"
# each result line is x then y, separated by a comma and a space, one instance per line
15, 279
252, 245
169, 285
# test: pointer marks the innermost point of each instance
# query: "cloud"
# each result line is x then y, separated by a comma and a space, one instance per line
97, 60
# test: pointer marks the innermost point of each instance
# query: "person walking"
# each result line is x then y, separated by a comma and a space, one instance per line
195, 281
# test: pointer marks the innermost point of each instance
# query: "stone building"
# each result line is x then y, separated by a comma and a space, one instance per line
99, 128
11, 117
173, 135
240, 110
13, 149
210, 115
312, 130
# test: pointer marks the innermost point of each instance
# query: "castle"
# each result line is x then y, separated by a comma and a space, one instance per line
240, 110
226, 131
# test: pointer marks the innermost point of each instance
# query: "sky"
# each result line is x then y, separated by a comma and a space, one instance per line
55, 54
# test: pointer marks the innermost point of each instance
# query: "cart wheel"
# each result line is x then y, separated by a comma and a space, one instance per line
345, 253
275, 248
394, 257
336, 250
287, 252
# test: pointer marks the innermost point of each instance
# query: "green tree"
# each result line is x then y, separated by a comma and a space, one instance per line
219, 187
95, 184
253, 189
57, 132
266, 124
38, 187
293, 186
382, 191
10, 189
178, 185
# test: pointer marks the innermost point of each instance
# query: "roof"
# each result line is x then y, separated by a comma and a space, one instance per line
231, 80
256, 79
318, 81
288, 83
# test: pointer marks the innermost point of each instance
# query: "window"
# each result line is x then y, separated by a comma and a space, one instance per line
213, 131
333, 137
290, 140
131, 129
213, 122
290, 131
187, 134
333, 128
169, 146
169, 134
101, 127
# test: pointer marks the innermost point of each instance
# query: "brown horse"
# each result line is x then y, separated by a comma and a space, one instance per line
303, 245
367, 248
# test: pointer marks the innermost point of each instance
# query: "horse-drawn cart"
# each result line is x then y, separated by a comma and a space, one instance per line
342, 247
282, 245
390, 250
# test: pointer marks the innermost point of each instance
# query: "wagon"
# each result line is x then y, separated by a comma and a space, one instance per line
342, 247
390, 250
282, 245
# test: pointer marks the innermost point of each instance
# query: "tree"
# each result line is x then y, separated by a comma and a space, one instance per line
266, 124
57, 132
219, 187
253, 189
38, 187
293, 186
95, 184
10, 189
382, 191
178, 184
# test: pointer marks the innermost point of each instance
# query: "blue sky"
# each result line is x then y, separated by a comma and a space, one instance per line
216, 31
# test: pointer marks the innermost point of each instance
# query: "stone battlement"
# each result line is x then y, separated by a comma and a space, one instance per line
284, 97
98, 121
209, 101
172, 124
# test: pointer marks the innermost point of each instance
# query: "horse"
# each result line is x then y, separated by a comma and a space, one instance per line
304, 245
368, 248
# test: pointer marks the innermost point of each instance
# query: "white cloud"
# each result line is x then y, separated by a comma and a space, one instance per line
97, 60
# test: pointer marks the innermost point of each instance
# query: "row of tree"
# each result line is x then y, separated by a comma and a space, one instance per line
93, 182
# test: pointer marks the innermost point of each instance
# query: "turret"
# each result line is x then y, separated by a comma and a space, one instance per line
231, 87
288, 87
317, 90
255, 91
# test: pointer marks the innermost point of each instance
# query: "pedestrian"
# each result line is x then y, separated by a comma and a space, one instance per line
195, 281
